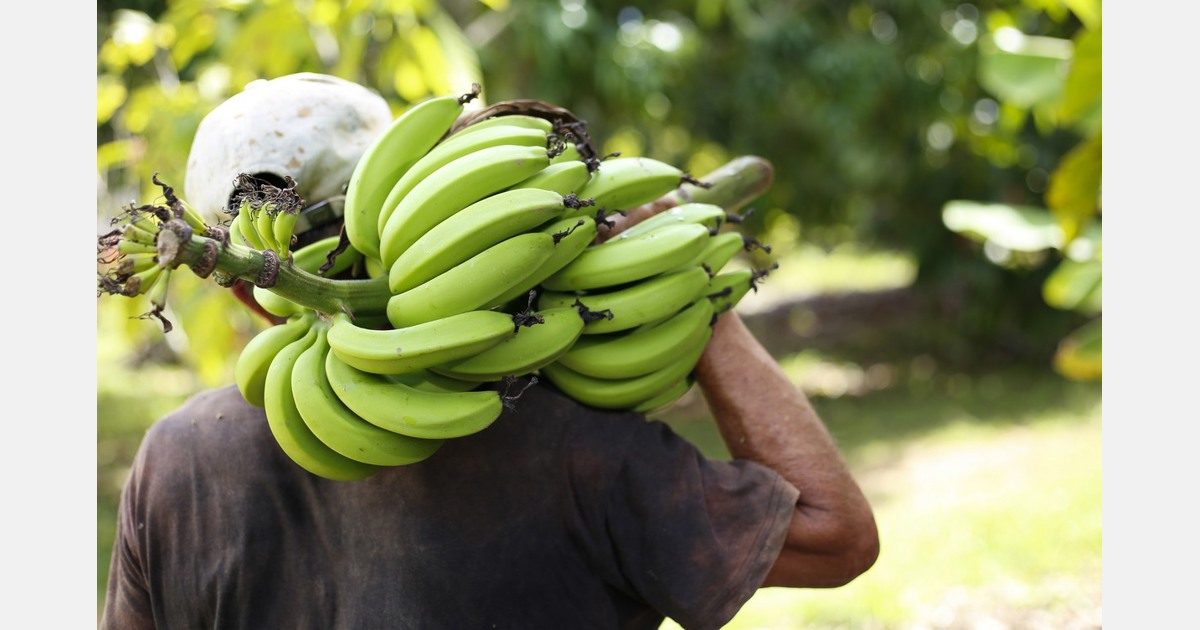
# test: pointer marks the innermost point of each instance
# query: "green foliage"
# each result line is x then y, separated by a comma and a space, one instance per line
873, 115
1059, 80
159, 73
985, 487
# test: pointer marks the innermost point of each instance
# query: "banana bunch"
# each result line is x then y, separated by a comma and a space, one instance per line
650, 294
265, 216
482, 248
344, 401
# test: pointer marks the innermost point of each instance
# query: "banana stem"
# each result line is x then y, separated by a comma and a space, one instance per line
732, 186
178, 245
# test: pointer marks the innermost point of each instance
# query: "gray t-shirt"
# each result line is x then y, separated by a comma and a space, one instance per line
556, 516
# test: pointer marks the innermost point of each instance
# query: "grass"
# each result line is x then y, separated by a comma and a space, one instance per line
987, 491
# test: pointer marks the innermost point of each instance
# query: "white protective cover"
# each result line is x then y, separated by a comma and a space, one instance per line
311, 127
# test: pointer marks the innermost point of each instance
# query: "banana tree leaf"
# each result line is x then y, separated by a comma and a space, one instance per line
1079, 354
1025, 70
1074, 286
1014, 227
1074, 193
1081, 96
1088, 11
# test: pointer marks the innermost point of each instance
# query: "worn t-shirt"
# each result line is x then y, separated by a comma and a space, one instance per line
556, 516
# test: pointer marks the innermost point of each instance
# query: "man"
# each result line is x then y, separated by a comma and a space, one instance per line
556, 516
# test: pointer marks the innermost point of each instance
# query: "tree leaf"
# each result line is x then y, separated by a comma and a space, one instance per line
1023, 69
1014, 227
1079, 354
1082, 91
1074, 190
1088, 11
1074, 286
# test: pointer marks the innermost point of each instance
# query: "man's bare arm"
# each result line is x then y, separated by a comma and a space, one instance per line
764, 418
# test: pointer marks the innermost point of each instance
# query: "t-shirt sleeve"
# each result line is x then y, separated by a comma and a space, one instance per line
127, 600
691, 536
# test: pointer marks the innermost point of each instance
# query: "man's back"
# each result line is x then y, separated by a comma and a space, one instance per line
556, 516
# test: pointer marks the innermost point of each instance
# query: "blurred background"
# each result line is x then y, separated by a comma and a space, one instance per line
936, 217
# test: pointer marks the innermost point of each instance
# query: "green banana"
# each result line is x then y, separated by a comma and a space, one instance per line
706, 214
570, 153
275, 304
454, 147
719, 250
235, 231
725, 290
337, 426
313, 256
289, 429
405, 410
133, 263
428, 381
140, 281
250, 369
138, 235
398, 350
571, 236
127, 246
627, 392
453, 187
666, 397
264, 226
476, 283
642, 350
156, 293
616, 262
631, 306
282, 230
623, 183
472, 230
410, 136
244, 221
514, 120
521, 354
563, 178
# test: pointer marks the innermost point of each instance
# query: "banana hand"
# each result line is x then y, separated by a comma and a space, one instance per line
399, 350
645, 301
385, 160
250, 370
531, 348
453, 187
476, 283
289, 429
472, 230
339, 428
405, 410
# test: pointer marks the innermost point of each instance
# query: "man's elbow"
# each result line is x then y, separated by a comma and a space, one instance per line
858, 555
831, 558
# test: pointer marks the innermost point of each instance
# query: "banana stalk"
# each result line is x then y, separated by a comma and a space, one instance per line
205, 256
732, 186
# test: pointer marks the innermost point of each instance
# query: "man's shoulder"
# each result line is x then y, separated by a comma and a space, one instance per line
541, 407
214, 418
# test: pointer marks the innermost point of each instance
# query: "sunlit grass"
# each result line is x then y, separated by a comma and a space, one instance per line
980, 517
